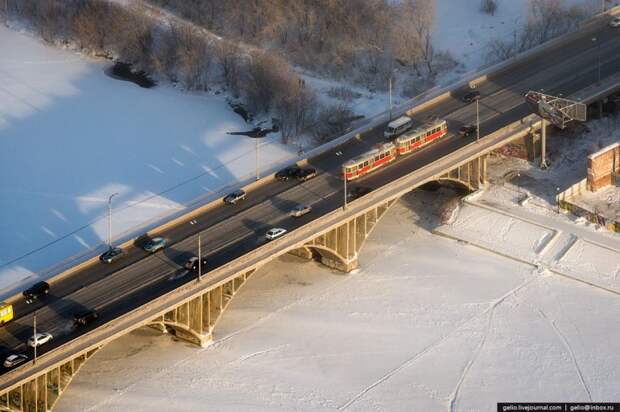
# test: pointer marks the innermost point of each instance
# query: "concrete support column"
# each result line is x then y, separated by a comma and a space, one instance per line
543, 144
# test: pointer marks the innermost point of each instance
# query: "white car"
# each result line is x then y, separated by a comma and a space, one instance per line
39, 339
274, 233
615, 22
14, 360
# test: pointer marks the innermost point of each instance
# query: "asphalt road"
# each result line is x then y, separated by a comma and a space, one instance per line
230, 231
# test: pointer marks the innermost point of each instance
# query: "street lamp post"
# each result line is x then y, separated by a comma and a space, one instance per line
257, 159
598, 57
34, 335
199, 261
344, 178
390, 89
557, 199
477, 122
110, 219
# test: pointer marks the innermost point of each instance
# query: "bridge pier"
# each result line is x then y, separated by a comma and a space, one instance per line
193, 321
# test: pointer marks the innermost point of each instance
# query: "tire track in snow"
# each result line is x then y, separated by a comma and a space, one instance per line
455, 394
570, 351
433, 345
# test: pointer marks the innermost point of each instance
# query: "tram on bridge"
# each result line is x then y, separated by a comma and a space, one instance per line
387, 152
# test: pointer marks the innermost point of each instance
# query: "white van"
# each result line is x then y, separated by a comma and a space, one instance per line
397, 127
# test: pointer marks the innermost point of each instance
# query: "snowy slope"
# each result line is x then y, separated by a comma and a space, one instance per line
70, 136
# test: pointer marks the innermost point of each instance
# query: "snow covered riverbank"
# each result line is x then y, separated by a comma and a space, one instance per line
71, 136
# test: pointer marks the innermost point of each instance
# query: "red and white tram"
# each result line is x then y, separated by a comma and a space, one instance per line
421, 137
369, 161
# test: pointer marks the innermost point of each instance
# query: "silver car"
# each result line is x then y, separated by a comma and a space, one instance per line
615, 22
39, 339
300, 210
274, 233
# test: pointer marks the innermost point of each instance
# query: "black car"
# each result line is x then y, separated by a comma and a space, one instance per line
471, 96
36, 291
234, 197
287, 173
468, 130
112, 255
85, 318
359, 191
306, 174
192, 263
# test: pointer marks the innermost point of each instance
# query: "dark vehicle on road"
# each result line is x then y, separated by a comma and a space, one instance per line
287, 173
192, 263
468, 130
85, 318
471, 96
358, 192
155, 244
36, 291
112, 255
306, 174
14, 360
234, 197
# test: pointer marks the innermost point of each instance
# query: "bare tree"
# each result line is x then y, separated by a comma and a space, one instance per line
295, 108
488, 6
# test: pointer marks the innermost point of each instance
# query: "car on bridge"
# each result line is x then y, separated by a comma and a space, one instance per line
287, 173
14, 360
155, 244
275, 233
85, 318
234, 197
471, 96
36, 291
615, 22
112, 255
300, 210
306, 174
468, 130
192, 263
358, 191
39, 339
397, 127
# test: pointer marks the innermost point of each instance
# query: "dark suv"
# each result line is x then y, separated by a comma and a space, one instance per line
85, 318
468, 130
36, 291
234, 197
306, 174
112, 255
471, 96
358, 191
287, 173
192, 263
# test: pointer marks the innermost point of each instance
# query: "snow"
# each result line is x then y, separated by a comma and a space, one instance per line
426, 323
71, 136
463, 31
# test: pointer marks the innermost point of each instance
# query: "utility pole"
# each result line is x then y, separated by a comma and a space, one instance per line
110, 219
34, 327
199, 261
257, 159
